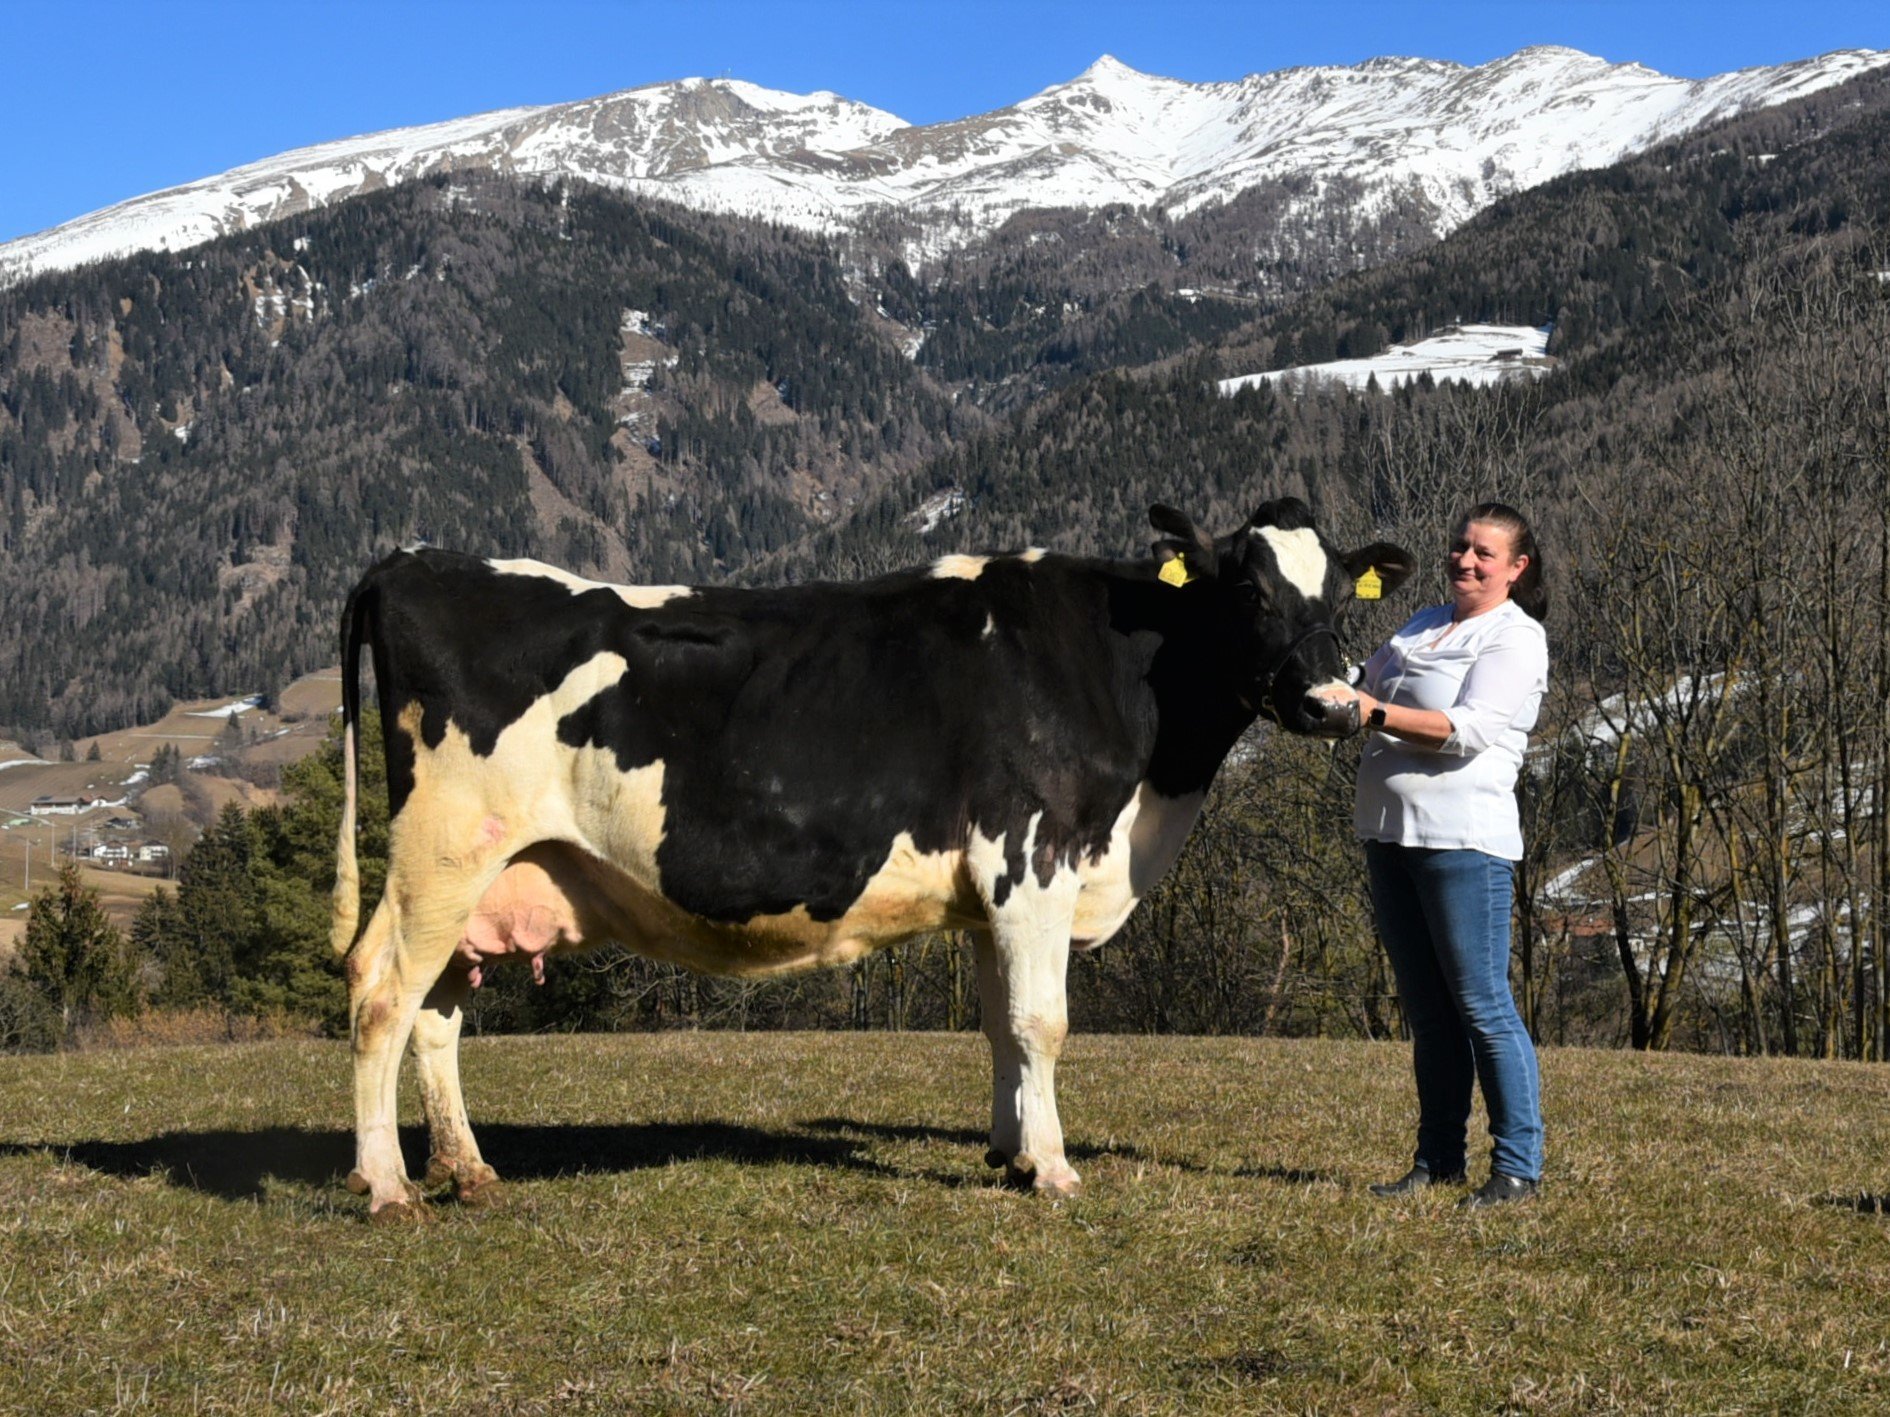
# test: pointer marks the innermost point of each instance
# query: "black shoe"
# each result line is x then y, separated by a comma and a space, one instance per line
1498, 1190
1416, 1179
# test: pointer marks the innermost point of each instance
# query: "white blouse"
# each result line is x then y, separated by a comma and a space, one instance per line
1487, 675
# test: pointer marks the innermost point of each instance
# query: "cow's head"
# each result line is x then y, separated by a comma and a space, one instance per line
1275, 591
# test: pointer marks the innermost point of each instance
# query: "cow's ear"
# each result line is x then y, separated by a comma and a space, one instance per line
1377, 570
1179, 526
1187, 547
1179, 562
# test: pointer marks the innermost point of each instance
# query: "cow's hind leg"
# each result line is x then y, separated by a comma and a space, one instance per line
1022, 996
391, 970
379, 1172
453, 1152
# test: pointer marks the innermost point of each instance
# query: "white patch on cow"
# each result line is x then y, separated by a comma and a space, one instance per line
962, 568
911, 891
620, 815
1033, 555
519, 785
984, 857
1143, 844
638, 597
990, 625
1300, 557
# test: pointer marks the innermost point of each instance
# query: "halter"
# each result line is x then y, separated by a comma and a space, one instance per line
1266, 704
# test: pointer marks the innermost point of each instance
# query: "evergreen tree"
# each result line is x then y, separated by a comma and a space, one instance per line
247, 929
73, 956
166, 765
216, 912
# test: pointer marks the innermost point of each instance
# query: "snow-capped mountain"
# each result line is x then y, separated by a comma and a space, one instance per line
1444, 137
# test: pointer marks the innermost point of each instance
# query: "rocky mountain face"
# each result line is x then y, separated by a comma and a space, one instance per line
1429, 141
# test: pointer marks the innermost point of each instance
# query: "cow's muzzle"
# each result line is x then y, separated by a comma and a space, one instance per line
1328, 718
1305, 714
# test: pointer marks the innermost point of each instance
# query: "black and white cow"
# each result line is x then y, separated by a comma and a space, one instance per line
751, 781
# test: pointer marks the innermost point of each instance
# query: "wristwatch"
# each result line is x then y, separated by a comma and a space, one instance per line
1376, 718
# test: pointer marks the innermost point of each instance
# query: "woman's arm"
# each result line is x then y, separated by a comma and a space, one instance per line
1428, 728
1506, 672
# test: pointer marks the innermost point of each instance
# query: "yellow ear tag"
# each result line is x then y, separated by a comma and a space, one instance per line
1175, 572
1370, 587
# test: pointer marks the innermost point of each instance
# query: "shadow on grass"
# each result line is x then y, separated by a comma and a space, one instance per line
236, 1164
969, 1136
1290, 1175
1863, 1202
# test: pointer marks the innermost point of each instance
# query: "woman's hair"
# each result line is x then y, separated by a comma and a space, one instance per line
1530, 591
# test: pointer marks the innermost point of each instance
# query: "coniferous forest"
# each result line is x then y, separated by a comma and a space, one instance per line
200, 451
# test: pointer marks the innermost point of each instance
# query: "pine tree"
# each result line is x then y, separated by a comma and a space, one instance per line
215, 914
74, 957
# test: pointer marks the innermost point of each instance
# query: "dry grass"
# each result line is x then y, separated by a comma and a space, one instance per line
172, 1028
768, 1223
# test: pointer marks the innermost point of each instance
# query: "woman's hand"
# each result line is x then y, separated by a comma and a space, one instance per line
1345, 694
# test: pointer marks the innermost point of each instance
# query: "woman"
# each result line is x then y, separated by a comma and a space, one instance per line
1449, 703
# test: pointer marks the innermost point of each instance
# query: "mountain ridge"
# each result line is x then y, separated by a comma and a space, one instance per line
1448, 137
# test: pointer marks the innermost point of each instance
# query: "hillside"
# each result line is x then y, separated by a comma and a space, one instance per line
200, 451
1638, 268
199, 454
225, 752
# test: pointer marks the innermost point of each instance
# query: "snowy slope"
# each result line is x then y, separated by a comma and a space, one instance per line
1457, 354
642, 135
1451, 138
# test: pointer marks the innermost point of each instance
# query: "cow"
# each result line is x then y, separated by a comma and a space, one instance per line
749, 781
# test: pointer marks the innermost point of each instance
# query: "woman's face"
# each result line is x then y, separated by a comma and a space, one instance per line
1482, 565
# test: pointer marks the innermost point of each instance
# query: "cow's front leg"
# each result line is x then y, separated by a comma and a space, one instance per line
1022, 964
453, 1153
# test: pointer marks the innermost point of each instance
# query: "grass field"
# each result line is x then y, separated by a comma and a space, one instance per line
802, 1223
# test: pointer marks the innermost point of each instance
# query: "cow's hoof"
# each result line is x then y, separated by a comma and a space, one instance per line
396, 1213
1022, 1173
410, 1194
995, 1158
480, 1194
1057, 1186
440, 1173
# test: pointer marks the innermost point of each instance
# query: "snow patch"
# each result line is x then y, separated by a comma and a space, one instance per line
1464, 354
939, 507
231, 710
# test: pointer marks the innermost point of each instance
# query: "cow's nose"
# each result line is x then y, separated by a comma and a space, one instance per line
1329, 718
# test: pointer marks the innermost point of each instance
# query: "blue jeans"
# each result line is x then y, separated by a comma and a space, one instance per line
1444, 918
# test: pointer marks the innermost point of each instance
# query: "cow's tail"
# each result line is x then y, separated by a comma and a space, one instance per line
346, 918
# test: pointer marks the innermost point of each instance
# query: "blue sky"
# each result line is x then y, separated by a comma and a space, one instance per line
101, 100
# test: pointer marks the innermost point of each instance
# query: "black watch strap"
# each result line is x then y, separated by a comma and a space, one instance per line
1376, 718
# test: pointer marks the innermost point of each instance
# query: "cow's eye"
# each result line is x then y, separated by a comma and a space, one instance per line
1248, 593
